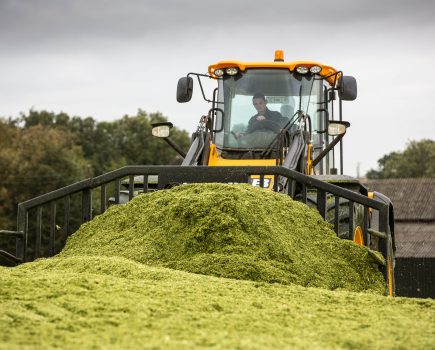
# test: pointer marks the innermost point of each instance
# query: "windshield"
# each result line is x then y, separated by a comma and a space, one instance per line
257, 103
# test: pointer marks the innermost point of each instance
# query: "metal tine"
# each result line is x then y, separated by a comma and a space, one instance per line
293, 188
288, 186
275, 183
103, 198
86, 205
321, 203
52, 226
23, 226
366, 226
38, 231
130, 187
304, 193
145, 183
336, 214
66, 212
351, 226
117, 190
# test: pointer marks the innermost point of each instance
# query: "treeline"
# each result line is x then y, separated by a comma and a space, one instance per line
417, 160
41, 151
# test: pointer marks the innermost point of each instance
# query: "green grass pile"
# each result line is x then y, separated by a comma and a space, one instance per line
85, 302
191, 268
233, 231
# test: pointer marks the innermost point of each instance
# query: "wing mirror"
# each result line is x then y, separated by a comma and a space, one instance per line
347, 88
184, 89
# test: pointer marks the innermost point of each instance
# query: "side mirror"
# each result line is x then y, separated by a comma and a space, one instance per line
347, 88
184, 89
161, 129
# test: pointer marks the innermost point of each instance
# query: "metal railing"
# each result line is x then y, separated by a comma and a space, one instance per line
40, 236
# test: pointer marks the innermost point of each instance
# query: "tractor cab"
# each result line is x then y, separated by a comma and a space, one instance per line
268, 113
262, 108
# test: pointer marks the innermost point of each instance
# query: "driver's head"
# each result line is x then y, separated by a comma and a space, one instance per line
259, 101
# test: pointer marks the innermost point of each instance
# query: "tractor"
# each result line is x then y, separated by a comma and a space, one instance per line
273, 124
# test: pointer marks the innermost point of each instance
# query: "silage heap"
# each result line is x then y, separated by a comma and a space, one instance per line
233, 231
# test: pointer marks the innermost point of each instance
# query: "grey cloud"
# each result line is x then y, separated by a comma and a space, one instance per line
32, 22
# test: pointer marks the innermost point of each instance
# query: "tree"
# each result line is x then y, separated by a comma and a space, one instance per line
42, 151
110, 145
34, 161
417, 160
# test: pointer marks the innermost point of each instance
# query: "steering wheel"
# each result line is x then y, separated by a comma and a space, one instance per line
265, 124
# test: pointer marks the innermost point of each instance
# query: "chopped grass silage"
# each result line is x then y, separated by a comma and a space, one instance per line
208, 267
234, 231
99, 302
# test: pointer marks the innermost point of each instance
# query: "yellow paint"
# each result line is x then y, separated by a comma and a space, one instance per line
358, 236
309, 169
242, 66
268, 181
216, 160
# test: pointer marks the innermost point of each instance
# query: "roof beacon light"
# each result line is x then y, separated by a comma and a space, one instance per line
279, 56
302, 70
231, 71
315, 69
219, 72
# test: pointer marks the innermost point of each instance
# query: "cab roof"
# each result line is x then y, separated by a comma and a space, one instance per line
328, 72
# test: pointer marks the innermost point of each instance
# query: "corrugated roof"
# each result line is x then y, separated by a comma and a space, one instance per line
415, 240
413, 199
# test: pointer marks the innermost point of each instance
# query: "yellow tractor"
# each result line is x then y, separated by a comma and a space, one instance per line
272, 124
267, 114
286, 114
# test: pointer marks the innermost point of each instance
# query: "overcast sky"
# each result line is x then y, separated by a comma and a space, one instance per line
108, 58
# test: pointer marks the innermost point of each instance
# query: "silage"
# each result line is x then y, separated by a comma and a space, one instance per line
95, 302
233, 231
102, 293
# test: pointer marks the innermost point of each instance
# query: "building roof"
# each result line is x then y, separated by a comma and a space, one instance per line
415, 240
414, 214
413, 199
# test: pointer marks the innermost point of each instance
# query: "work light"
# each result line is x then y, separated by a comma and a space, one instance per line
231, 70
315, 69
302, 70
219, 72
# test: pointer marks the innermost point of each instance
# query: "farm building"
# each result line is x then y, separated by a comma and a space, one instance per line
414, 213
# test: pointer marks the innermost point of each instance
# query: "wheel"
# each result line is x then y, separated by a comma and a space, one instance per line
343, 215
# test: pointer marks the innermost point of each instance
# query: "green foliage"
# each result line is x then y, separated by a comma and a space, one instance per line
110, 145
34, 161
417, 160
41, 151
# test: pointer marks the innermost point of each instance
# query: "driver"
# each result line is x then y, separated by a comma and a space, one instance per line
263, 113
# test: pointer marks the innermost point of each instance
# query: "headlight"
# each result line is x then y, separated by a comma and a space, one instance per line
218, 72
335, 129
315, 69
231, 70
302, 70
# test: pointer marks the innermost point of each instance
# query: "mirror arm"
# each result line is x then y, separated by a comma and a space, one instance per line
327, 149
200, 84
175, 146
